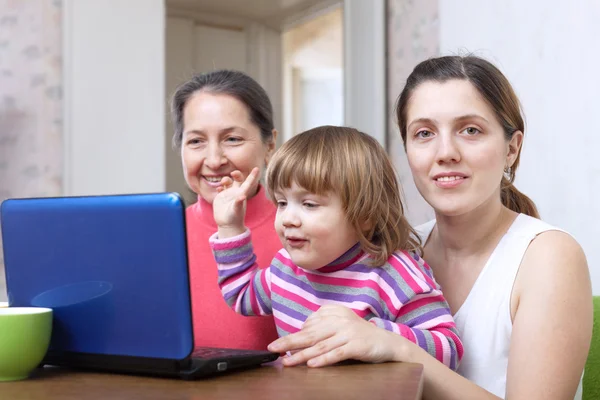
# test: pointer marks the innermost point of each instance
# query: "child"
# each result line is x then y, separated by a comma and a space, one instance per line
346, 241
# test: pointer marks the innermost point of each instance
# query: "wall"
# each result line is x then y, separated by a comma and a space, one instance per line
114, 96
550, 54
365, 67
30, 102
179, 66
413, 35
317, 42
313, 65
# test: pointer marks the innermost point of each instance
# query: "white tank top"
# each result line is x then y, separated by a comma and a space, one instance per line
483, 320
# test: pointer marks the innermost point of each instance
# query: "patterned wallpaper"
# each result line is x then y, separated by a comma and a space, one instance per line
413, 35
30, 101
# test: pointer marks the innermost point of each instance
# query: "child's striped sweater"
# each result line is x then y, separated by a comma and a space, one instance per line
400, 296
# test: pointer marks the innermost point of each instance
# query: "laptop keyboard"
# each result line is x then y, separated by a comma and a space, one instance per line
211, 352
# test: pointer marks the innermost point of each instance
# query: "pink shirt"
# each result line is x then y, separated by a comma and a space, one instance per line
215, 323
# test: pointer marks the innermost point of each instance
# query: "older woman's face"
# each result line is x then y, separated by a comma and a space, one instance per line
456, 147
219, 138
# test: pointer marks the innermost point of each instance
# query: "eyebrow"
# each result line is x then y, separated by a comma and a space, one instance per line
471, 116
299, 192
423, 121
457, 119
222, 131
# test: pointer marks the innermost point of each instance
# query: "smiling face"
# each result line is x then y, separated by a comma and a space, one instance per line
312, 228
219, 138
456, 147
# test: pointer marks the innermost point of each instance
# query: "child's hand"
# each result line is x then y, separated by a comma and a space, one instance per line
335, 333
229, 205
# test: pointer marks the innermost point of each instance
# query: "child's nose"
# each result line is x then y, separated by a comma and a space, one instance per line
289, 218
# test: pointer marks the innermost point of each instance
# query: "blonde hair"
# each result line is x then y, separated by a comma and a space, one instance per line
354, 166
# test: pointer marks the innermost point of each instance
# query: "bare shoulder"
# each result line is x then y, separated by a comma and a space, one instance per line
554, 264
553, 269
554, 281
555, 253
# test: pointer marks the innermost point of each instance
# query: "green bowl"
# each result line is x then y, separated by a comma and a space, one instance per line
24, 339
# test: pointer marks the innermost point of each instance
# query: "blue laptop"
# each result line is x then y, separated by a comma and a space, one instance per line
114, 271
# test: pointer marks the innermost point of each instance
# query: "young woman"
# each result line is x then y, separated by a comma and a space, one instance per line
519, 289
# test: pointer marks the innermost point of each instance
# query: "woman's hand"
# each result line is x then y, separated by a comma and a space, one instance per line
229, 205
335, 333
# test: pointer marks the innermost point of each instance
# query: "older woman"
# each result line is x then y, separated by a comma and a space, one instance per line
519, 288
224, 122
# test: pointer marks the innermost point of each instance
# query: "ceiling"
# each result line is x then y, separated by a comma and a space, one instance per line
273, 11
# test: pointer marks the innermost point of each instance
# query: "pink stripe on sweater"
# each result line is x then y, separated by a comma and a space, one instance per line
408, 278
407, 333
409, 265
366, 280
417, 267
287, 327
420, 302
233, 281
451, 335
433, 323
283, 258
441, 355
304, 298
294, 297
345, 264
231, 244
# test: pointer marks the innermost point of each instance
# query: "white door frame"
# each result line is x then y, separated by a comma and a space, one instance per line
364, 62
364, 67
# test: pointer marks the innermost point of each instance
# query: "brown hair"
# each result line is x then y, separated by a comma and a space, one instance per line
493, 86
232, 83
353, 165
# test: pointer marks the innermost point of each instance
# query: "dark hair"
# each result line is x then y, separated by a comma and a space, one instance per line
493, 86
233, 83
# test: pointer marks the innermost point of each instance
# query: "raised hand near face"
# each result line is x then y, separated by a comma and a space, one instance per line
229, 205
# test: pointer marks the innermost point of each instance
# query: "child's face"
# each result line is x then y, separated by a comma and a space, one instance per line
312, 228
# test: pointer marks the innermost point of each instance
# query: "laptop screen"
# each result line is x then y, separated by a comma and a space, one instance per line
113, 269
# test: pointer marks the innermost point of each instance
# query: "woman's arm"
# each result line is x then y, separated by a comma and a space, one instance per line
552, 325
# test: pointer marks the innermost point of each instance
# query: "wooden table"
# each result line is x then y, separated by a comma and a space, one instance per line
272, 381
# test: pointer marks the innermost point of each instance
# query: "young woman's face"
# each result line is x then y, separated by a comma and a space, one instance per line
219, 138
456, 147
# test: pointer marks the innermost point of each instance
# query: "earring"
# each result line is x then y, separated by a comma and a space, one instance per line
507, 173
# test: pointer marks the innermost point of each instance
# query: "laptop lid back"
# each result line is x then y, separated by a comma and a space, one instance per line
112, 268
